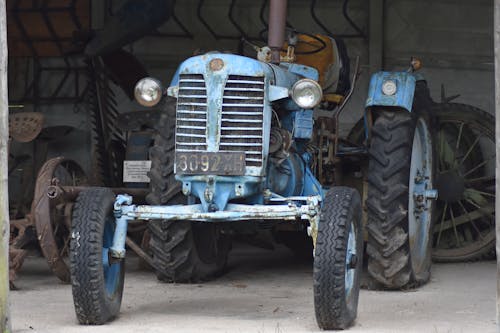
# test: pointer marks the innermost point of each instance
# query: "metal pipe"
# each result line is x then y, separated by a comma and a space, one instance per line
70, 193
344, 103
139, 251
277, 24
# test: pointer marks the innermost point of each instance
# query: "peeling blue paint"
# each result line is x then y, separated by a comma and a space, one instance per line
405, 84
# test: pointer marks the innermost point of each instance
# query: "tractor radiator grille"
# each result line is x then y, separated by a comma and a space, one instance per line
241, 127
191, 114
242, 117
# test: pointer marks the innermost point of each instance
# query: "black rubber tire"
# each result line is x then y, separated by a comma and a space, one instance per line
163, 187
183, 251
483, 122
188, 251
93, 305
388, 248
341, 210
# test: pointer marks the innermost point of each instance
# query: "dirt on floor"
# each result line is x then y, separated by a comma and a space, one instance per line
263, 291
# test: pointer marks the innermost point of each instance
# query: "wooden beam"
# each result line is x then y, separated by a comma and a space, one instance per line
4, 191
376, 36
496, 34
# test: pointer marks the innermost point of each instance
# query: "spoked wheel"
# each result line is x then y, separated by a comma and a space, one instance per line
97, 280
465, 218
53, 217
338, 259
400, 205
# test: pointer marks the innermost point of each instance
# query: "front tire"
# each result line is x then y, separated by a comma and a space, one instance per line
338, 259
97, 284
399, 204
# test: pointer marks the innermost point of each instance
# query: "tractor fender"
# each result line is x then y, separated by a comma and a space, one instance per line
402, 97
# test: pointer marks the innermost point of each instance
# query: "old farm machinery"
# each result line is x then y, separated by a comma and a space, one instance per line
239, 143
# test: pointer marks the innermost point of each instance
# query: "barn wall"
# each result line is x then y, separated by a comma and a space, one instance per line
452, 37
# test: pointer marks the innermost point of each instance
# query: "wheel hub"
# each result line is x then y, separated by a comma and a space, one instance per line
451, 186
352, 260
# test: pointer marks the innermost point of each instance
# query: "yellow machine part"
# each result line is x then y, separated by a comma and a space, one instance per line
321, 60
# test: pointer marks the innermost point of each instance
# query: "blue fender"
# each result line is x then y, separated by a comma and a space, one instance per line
405, 89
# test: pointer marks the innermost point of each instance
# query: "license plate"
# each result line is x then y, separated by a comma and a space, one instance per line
202, 163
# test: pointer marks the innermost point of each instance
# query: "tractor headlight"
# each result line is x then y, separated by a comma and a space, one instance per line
148, 91
307, 93
389, 87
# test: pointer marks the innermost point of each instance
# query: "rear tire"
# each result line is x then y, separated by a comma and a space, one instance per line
338, 259
399, 226
97, 285
188, 251
183, 251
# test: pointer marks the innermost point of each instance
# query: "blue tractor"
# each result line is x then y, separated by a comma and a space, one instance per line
238, 147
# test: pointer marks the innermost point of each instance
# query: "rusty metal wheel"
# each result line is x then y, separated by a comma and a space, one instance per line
465, 218
53, 216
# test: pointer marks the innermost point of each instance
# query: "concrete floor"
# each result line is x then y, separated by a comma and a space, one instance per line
264, 291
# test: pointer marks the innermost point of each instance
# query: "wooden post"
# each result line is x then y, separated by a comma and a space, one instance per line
376, 41
496, 34
4, 193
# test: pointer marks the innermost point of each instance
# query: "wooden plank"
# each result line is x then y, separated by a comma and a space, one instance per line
4, 190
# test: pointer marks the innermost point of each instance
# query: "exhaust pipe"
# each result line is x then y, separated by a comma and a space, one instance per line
277, 24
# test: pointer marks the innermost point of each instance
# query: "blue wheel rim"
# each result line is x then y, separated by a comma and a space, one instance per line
419, 205
112, 272
350, 272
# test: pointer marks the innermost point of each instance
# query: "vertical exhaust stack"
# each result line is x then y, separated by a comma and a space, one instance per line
277, 24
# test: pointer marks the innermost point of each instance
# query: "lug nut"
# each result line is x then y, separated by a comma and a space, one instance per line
353, 261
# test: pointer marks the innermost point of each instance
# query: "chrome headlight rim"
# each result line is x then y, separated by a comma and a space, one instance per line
148, 91
300, 86
389, 87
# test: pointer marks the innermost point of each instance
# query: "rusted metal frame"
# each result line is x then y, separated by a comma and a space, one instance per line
21, 225
42, 214
139, 251
70, 193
